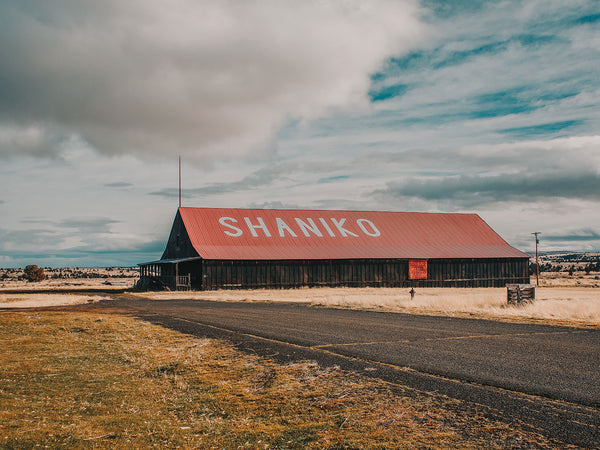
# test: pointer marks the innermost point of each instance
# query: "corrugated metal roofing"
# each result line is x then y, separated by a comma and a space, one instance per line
261, 234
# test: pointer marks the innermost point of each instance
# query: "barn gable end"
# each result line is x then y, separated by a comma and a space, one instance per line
179, 244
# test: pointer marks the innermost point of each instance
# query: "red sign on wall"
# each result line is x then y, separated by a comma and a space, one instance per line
417, 269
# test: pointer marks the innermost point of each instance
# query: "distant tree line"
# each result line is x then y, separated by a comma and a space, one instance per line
571, 268
35, 273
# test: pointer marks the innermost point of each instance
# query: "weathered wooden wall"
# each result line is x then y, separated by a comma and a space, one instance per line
354, 273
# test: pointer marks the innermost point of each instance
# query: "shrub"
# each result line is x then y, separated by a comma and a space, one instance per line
34, 273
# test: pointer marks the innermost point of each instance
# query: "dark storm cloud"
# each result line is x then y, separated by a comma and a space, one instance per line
207, 79
88, 225
119, 185
540, 157
262, 177
474, 191
587, 234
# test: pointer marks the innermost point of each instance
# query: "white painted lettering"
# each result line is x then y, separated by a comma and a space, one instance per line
307, 226
326, 226
310, 226
261, 225
374, 231
223, 221
282, 227
339, 224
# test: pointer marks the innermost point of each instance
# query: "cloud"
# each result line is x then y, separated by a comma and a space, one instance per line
201, 78
88, 225
475, 191
55, 234
541, 157
262, 177
285, 175
27, 138
76, 242
584, 239
18, 240
274, 205
586, 234
119, 185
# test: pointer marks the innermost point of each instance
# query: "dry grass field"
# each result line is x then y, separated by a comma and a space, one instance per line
83, 380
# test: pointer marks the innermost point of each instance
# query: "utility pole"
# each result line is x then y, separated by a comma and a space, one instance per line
537, 266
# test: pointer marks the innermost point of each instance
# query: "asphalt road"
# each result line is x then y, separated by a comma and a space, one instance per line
542, 376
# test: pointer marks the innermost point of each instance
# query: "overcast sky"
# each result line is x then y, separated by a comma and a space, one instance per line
491, 107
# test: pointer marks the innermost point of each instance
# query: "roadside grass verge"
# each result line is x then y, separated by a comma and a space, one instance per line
84, 380
571, 306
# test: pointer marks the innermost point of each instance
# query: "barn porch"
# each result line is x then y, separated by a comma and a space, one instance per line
169, 274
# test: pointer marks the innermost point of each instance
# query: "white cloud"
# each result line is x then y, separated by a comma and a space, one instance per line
202, 78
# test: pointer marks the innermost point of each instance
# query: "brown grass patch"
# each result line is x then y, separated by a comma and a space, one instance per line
8, 301
89, 380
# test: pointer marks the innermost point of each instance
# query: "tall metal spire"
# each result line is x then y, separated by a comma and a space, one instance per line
180, 181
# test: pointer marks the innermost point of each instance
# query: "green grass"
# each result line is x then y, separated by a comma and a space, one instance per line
107, 381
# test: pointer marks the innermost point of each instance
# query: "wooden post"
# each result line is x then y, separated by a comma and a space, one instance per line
537, 265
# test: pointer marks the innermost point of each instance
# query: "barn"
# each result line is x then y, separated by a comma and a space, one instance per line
216, 248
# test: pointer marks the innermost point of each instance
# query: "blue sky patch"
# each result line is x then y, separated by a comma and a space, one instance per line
591, 18
535, 40
545, 129
333, 179
495, 104
387, 92
460, 57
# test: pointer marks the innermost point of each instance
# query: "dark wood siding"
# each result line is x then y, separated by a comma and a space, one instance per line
233, 274
214, 274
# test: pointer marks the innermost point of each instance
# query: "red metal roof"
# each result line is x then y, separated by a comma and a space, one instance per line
260, 234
